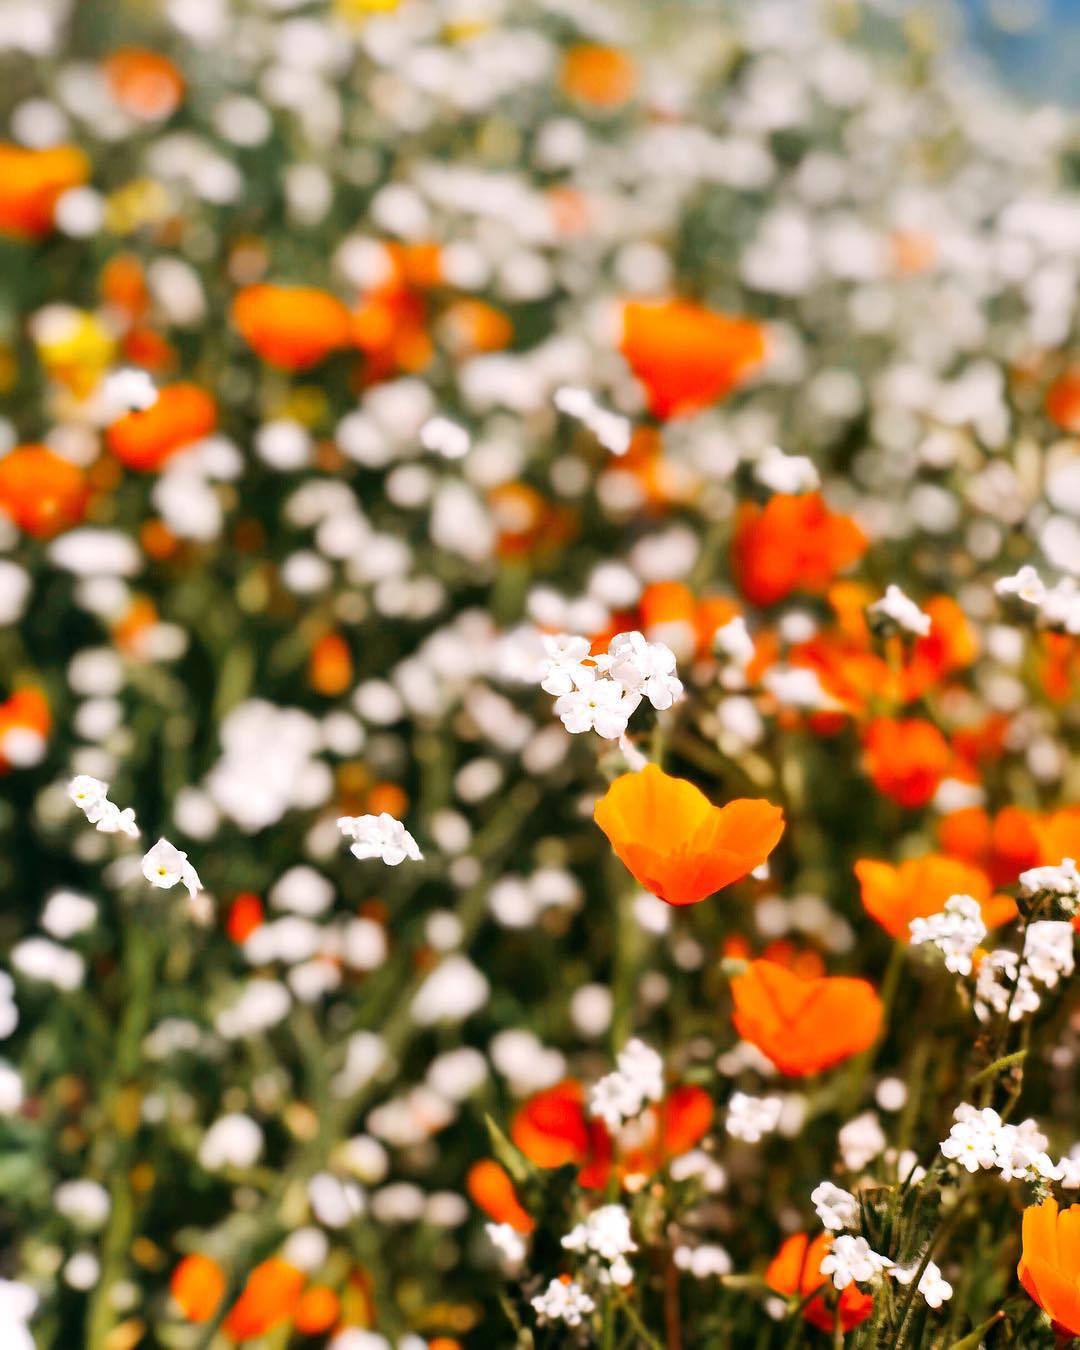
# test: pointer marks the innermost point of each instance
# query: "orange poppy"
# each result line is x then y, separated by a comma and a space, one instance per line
27, 710
601, 76
292, 327
1049, 1266
42, 493
330, 670
198, 1286
1059, 835
906, 759
268, 1299
317, 1310
144, 440
1003, 846
470, 326
144, 83
676, 843
793, 543
686, 356
552, 1129
490, 1189
804, 1025
919, 887
30, 183
390, 327
1063, 400
245, 915
796, 1270
951, 644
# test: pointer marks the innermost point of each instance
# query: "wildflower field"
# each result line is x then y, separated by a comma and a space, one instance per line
539, 671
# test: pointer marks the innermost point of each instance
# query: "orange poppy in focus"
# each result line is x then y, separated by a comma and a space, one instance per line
1063, 400
198, 1286
181, 415
1049, 1266
686, 356
490, 1189
1003, 847
144, 83
676, 843
268, 1299
793, 543
30, 183
42, 493
906, 759
796, 1270
291, 327
919, 887
804, 1025
602, 76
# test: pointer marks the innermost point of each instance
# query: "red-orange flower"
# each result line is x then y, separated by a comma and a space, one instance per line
317, 1310
330, 669
919, 887
602, 76
1049, 1266
793, 543
1059, 835
292, 327
26, 711
491, 1189
198, 1286
144, 83
42, 493
804, 1025
906, 758
552, 1129
676, 843
686, 356
182, 414
30, 183
268, 1299
1063, 400
796, 1270
1003, 847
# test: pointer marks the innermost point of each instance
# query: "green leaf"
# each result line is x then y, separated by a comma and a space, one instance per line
511, 1157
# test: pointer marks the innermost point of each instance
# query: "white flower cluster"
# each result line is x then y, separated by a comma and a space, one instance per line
612, 430
836, 1208
91, 796
785, 473
606, 1234
563, 1301
508, 1242
751, 1118
1062, 881
164, 865
902, 611
980, 1140
956, 932
861, 1140
379, 836
1058, 606
1006, 984
602, 693
637, 1080
851, 1260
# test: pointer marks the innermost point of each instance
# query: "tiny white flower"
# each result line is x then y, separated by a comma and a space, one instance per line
164, 865
836, 1208
851, 1260
379, 836
902, 611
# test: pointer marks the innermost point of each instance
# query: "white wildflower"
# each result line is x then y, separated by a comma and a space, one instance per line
836, 1208
751, 1118
164, 865
563, 1302
956, 932
637, 1080
851, 1260
902, 611
379, 836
